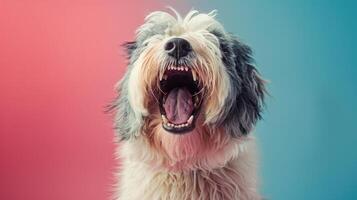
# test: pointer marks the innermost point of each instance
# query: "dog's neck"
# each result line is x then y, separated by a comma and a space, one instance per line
236, 179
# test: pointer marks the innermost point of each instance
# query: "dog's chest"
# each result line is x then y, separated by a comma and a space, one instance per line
219, 184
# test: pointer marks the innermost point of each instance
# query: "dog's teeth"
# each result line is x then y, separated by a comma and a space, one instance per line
186, 68
189, 121
163, 76
196, 99
164, 119
194, 75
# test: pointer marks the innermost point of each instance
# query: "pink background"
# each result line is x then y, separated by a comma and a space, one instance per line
59, 62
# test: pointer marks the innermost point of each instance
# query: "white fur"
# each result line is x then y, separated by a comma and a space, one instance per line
224, 171
194, 28
140, 180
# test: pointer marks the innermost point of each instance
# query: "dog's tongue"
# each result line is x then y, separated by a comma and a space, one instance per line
178, 105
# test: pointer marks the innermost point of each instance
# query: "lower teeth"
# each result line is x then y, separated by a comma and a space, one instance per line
165, 120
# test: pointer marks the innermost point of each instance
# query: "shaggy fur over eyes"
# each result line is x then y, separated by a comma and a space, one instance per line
187, 103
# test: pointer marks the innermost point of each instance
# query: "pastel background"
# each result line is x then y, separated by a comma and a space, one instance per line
59, 61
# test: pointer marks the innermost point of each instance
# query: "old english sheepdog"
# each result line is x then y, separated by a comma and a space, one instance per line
186, 106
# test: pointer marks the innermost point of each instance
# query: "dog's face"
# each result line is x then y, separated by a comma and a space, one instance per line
190, 87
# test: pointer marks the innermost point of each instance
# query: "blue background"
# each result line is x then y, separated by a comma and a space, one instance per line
307, 49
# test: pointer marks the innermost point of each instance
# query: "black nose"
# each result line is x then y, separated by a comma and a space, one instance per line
178, 47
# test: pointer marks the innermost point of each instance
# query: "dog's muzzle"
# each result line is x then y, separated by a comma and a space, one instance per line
180, 93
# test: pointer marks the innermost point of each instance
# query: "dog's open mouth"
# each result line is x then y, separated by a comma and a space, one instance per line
180, 99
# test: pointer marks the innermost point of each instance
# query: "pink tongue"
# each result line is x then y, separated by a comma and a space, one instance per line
178, 105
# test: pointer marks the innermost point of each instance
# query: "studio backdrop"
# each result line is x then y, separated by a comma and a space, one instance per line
60, 61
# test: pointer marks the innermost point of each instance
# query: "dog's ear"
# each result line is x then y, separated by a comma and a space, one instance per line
130, 48
124, 115
124, 124
250, 90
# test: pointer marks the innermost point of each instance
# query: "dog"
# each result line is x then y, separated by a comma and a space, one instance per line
186, 106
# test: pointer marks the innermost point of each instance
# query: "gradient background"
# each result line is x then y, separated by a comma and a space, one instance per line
59, 61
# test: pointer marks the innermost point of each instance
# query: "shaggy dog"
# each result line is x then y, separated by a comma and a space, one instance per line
187, 103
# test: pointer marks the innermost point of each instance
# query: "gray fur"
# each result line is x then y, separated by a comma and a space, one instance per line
124, 117
242, 107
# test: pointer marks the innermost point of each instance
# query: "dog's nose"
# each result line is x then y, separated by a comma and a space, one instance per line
178, 47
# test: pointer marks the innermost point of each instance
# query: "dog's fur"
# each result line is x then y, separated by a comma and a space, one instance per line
216, 160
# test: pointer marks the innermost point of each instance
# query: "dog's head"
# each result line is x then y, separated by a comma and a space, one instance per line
190, 87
